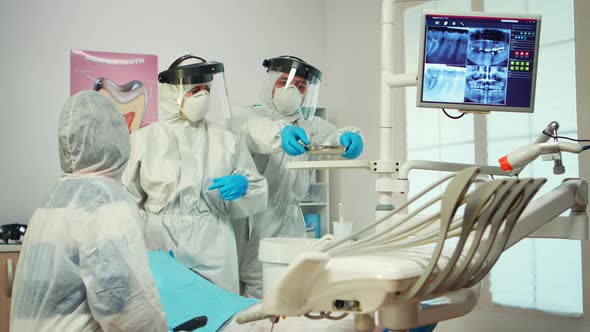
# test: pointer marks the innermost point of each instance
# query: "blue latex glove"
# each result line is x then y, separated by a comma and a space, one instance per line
427, 328
290, 137
231, 187
353, 144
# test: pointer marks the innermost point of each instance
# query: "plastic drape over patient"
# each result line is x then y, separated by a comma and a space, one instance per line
83, 264
186, 295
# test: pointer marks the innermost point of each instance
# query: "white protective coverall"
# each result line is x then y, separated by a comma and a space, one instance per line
286, 188
83, 265
172, 164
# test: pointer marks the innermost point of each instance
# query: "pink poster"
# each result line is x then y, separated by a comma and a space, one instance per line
129, 80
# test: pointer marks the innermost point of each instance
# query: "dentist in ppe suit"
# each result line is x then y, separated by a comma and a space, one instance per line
191, 176
84, 265
289, 96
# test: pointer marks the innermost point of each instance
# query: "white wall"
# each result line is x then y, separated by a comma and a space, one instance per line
36, 37
350, 91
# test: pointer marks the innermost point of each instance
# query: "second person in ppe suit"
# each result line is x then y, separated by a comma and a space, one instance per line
289, 96
191, 176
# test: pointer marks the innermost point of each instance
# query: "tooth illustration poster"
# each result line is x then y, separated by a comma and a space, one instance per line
129, 80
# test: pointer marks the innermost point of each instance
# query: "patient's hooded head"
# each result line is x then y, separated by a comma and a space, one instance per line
93, 136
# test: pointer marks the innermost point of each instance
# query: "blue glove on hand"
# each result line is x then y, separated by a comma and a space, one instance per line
231, 187
427, 328
353, 144
290, 137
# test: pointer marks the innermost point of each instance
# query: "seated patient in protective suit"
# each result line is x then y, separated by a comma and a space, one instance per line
83, 264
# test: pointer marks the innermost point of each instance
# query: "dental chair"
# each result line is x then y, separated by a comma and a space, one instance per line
412, 274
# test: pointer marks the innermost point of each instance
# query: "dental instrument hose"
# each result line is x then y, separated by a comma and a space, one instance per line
451, 116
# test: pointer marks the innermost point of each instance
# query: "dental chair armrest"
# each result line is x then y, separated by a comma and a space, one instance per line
283, 297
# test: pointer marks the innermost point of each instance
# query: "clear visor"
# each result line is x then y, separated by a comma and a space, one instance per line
219, 105
308, 86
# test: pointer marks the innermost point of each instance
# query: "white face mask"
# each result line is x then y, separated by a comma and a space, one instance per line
196, 106
287, 101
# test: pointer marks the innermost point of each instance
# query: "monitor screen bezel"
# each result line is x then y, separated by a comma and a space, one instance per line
475, 107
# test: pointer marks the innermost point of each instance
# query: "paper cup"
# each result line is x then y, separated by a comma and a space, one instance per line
341, 229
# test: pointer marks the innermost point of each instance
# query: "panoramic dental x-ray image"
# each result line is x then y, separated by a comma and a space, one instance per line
466, 65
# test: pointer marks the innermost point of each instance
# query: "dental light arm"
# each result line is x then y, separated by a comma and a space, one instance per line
550, 130
514, 162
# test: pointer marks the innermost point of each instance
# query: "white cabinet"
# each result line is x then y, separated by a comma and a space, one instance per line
317, 200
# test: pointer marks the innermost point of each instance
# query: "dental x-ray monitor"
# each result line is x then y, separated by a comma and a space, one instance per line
478, 62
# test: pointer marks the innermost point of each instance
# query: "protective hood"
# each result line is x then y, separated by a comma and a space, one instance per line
170, 101
268, 106
299, 74
185, 73
93, 137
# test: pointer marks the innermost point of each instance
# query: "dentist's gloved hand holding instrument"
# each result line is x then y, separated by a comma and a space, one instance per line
353, 143
290, 138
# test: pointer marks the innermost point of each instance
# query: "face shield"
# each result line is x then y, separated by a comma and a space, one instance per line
298, 86
201, 88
